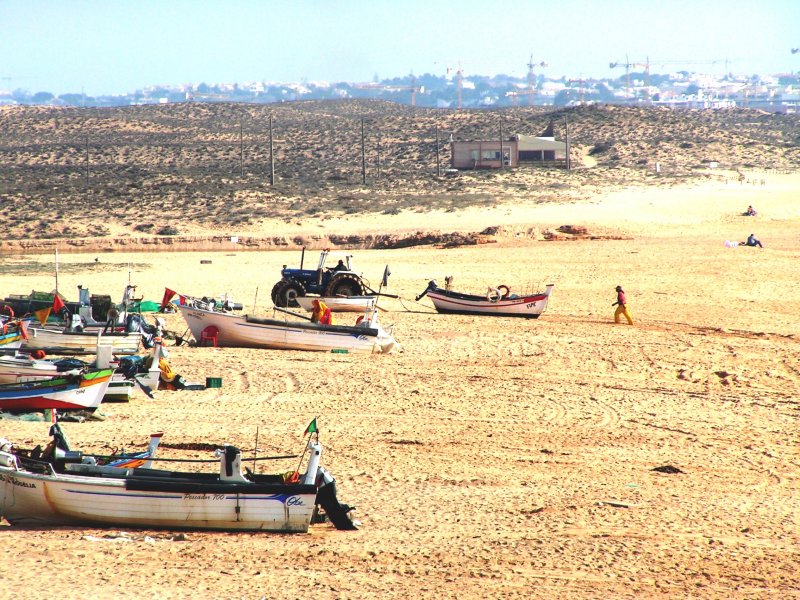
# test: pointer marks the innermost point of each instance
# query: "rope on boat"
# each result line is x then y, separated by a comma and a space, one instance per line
183, 460
430, 312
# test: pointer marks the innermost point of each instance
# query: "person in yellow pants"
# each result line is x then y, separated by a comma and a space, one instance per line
622, 307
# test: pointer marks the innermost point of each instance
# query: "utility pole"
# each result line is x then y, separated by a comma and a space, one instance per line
501, 143
363, 156
438, 164
241, 149
566, 139
378, 158
271, 155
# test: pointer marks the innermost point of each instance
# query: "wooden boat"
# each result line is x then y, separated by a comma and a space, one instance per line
130, 372
64, 487
12, 334
70, 392
356, 304
64, 341
244, 331
497, 302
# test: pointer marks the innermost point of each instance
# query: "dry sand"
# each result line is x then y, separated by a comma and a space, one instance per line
491, 457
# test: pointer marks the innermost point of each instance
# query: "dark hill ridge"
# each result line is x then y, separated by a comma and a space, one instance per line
180, 165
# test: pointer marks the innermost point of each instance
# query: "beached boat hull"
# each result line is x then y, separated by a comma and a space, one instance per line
67, 393
67, 488
69, 342
528, 306
138, 501
356, 304
242, 331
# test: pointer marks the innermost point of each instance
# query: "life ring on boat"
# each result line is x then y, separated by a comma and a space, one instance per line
504, 290
291, 477
493, 294
38, 354
6, 309
359, 320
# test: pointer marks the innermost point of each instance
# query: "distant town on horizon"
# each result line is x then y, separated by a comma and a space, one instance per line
635, 85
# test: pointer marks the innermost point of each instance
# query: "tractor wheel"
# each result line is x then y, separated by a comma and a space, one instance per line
285, 293
345, 284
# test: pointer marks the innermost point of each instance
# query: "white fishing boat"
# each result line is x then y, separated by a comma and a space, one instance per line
356, 304
63, 487
498, 301
64, 341
243, 331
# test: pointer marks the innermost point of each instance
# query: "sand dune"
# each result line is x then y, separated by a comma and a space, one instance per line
491, 457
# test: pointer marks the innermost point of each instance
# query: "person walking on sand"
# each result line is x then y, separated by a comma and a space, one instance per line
622, 307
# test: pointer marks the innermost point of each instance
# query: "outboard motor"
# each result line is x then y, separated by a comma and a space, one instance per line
137, 323
432, 285
337, 512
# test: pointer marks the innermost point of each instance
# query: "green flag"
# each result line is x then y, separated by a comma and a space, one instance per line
312, 427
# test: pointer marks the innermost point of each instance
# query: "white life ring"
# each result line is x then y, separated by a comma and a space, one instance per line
493, 294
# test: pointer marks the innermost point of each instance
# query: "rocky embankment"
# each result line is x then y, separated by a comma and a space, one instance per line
243, 243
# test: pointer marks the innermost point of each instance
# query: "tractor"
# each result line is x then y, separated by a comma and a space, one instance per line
339, 280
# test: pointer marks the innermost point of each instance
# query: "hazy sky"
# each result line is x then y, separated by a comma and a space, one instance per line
108, 46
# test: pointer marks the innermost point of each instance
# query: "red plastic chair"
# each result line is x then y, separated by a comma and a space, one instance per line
209, 334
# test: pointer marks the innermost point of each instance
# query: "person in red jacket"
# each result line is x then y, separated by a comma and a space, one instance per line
622, 307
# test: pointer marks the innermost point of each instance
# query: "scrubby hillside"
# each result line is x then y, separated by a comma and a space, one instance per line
188, 168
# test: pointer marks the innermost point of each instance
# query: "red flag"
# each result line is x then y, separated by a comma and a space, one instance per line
58, 303
168, 294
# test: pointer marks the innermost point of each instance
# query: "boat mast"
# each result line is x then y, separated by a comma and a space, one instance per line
56, 269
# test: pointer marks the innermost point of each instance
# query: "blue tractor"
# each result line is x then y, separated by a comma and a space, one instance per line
339, 280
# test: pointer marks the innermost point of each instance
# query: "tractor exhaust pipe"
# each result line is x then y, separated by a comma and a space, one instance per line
302, 257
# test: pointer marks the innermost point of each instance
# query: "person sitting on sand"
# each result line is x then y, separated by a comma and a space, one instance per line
750, 212
753, 241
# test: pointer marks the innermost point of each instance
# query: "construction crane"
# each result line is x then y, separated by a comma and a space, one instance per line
9, 78
459, 81
628, 65
532, 79
580, 81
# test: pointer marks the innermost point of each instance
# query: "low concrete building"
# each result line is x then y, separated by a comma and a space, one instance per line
540, 149
483, 155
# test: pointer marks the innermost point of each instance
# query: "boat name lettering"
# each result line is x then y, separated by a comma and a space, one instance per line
204, 496
530, 305
295, 501
17, 482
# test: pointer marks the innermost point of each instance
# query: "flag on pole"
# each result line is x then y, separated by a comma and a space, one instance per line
312, 427
42, 315
385, 280
58, 303
168, 294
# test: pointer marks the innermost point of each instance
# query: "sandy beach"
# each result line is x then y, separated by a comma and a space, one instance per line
490, 457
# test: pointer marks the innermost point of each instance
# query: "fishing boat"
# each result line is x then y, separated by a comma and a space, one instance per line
498, 301
244, 331
64, 341
131, 372
83, 391
356, 304
12, 334
60, 486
